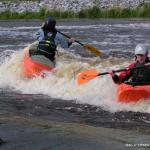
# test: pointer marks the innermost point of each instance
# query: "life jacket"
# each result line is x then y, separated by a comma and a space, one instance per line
141, 75
47, 47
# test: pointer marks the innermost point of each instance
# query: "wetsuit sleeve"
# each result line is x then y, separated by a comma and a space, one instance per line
115, 78
126, 75
62, 41
69, 44
118, 79
39, 35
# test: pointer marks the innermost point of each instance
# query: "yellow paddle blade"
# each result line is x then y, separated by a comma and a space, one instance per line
87, 76
93, 49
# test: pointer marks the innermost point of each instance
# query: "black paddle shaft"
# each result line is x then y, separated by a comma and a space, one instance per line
87, 46
125, 69
70, 37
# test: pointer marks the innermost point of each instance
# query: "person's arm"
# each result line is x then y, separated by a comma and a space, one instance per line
71, 40
39, 35
63, 41
115, 77
118, 79
124, 76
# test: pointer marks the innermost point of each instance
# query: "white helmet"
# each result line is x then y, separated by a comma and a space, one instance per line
140, 49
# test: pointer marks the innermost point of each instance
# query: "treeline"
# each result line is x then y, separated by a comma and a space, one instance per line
95, 12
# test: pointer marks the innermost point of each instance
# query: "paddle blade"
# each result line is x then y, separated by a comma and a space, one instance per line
87, 76
93, 49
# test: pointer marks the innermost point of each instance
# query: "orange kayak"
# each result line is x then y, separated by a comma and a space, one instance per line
128, 93
32, 68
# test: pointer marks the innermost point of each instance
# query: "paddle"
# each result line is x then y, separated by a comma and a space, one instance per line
88, 75
86, 46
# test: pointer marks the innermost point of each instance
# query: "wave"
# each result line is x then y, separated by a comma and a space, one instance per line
62, 84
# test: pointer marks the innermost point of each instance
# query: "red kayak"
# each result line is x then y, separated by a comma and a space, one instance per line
128, 93
32, 68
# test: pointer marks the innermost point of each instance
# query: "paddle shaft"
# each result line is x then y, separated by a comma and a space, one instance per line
86, 46
125, 69
70, 37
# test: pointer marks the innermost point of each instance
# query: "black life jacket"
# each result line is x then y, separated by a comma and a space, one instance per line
141, 75
47, 47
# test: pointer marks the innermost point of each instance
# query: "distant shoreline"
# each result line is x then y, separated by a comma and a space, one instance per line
90, 13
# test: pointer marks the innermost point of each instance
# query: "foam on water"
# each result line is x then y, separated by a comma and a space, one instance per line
100, 91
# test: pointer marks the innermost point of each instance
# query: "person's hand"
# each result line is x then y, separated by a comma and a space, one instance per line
111, 73
71, 40
127, 69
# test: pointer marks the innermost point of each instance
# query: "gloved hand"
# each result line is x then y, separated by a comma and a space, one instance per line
71, 40
111, 73
114, 76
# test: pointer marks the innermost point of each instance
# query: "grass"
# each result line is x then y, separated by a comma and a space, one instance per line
94, 12
18, 0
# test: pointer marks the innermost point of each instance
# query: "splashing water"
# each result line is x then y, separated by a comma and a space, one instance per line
100, 91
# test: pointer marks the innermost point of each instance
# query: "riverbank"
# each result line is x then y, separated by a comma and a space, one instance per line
94, 12
65, 5
43, 123
21, 132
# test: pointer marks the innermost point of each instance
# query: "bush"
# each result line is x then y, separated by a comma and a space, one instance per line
94, 12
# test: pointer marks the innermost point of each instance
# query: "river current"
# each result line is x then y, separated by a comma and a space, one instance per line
55, 112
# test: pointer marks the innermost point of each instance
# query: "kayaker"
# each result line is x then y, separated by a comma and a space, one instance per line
44, 49
136, 75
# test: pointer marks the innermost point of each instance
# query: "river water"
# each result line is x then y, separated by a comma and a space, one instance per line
55, 112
